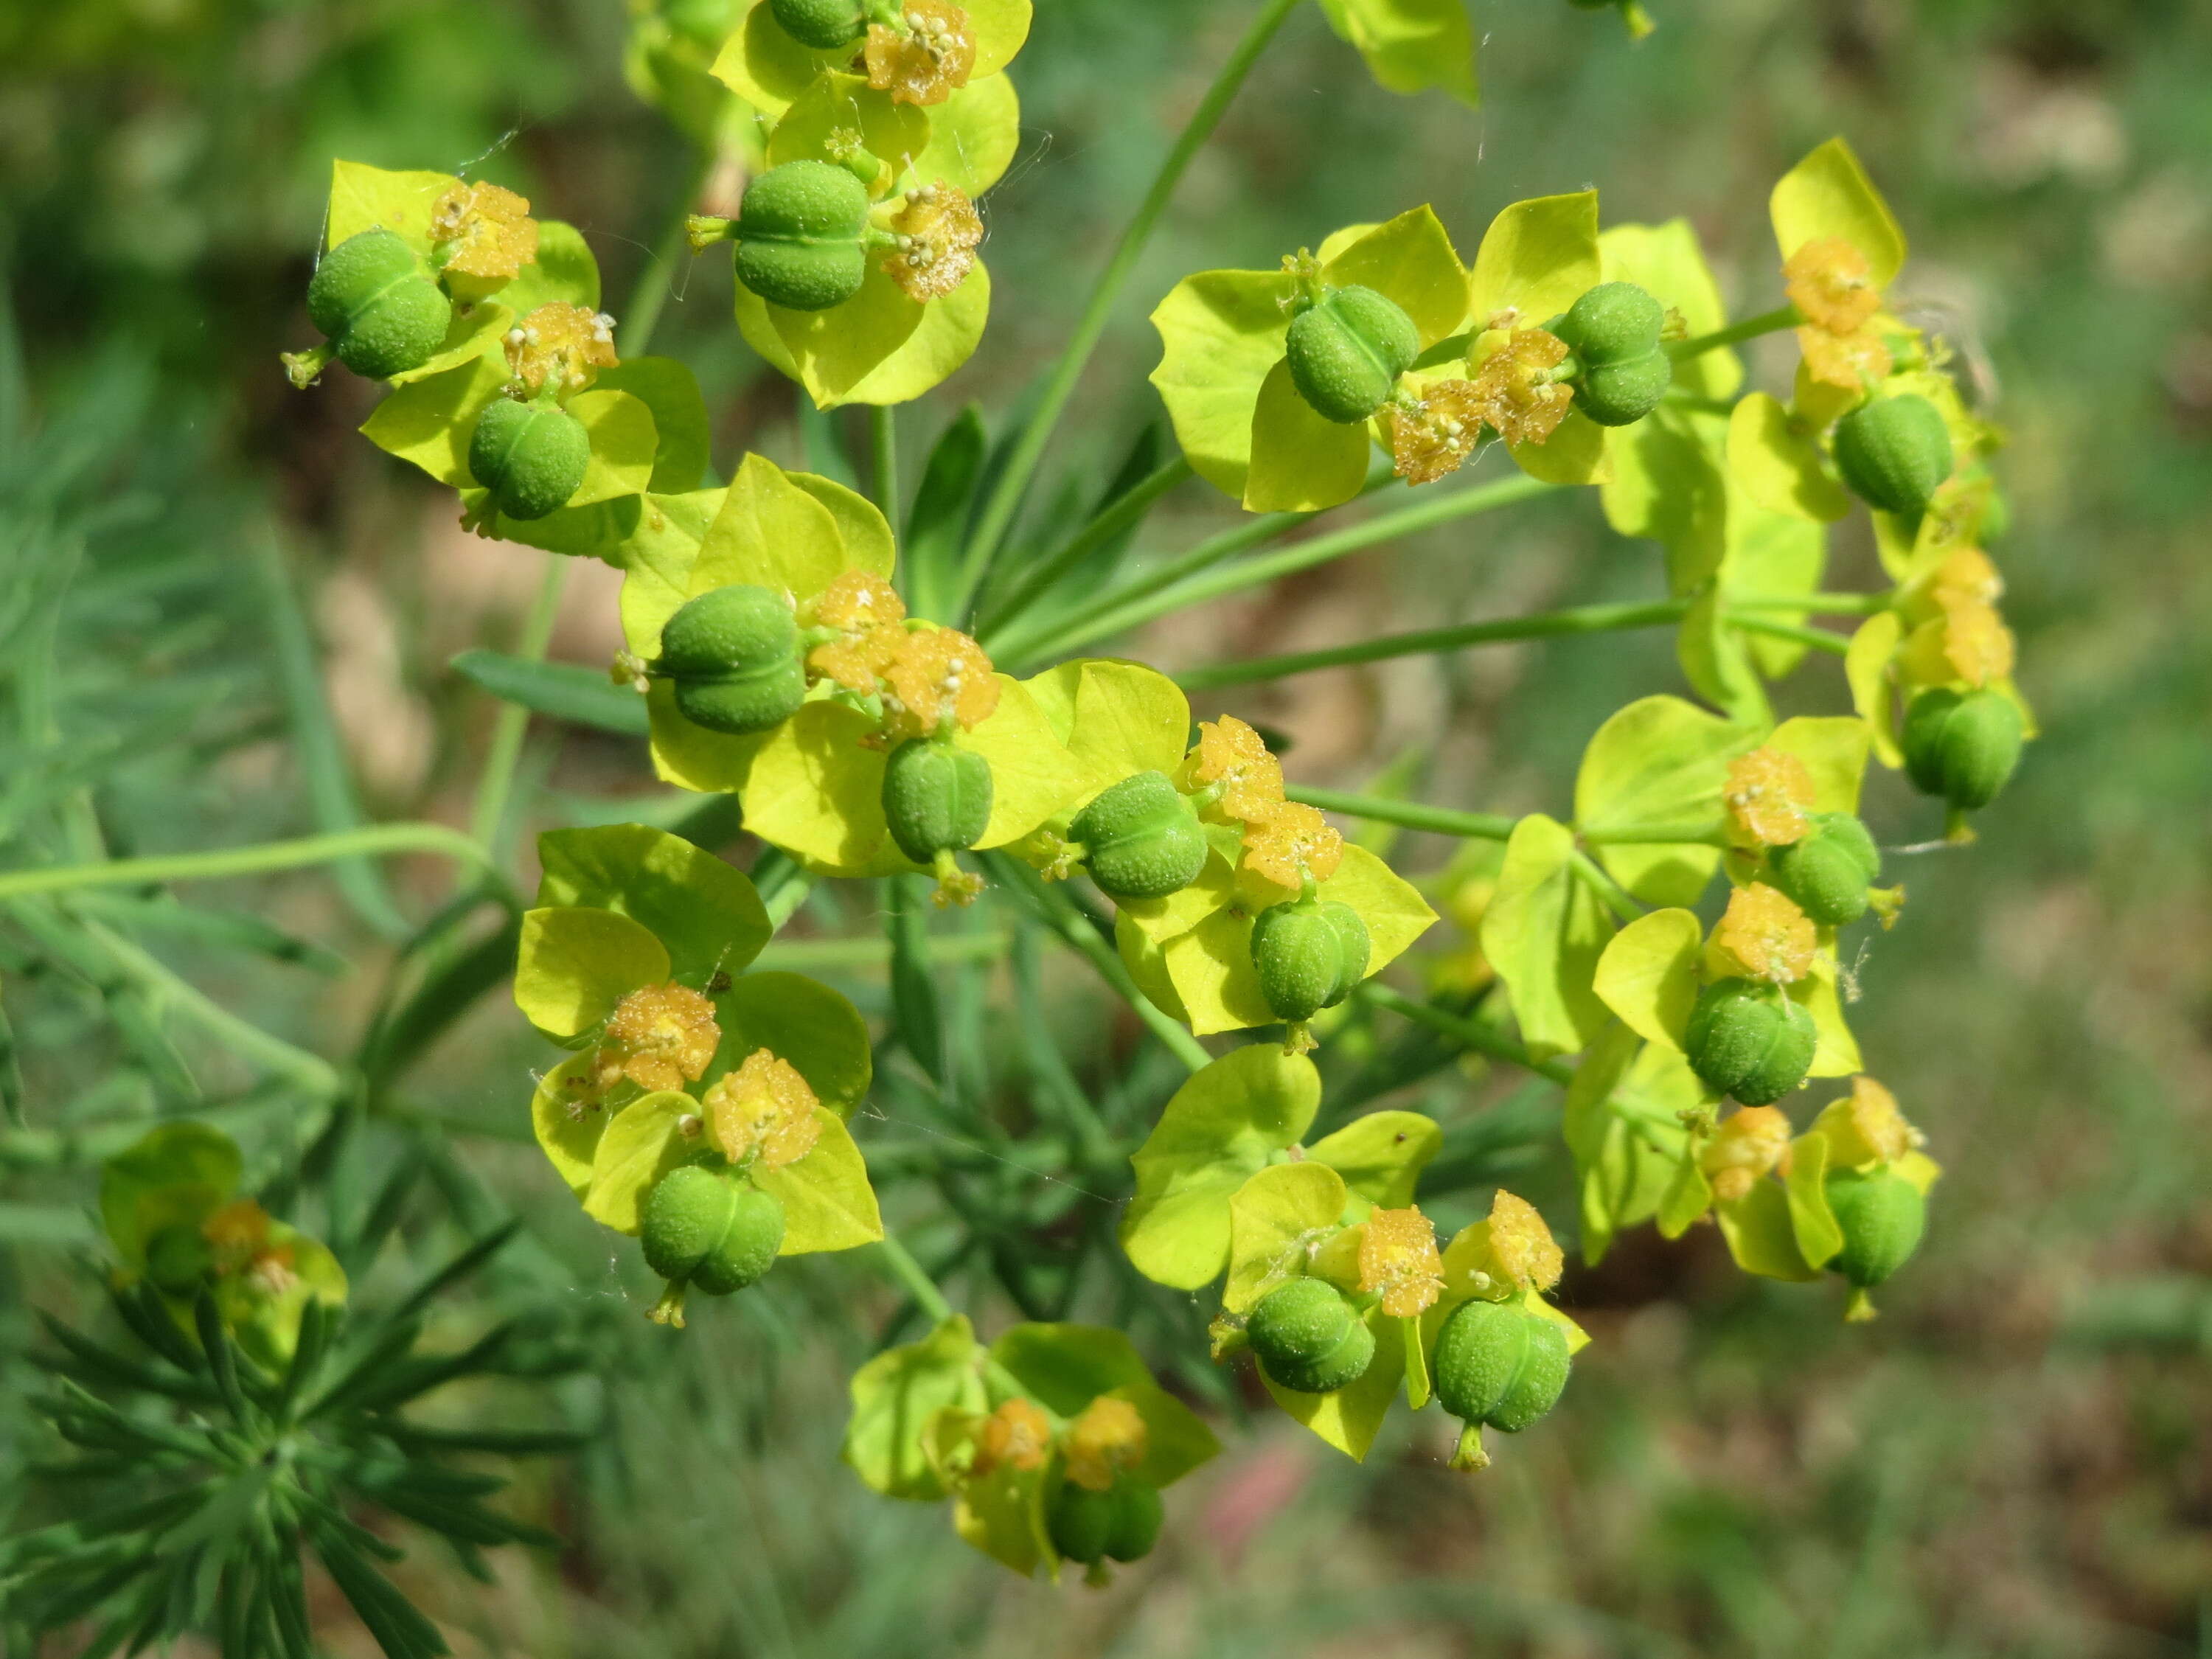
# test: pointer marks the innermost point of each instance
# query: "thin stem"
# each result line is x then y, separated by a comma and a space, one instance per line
882, 436
1545, 624
1816, 604
1767, 322
247, 860
913, 1278
1055, 911
1478, 1037
1819, 638
1479, 826
1611, 894
783, 903
1006, 498
829, 955
1126, 511
649, 293
496, 785
1110, 618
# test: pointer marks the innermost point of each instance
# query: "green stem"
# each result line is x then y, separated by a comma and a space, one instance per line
913, 1278
1767, 322
1610, 893
649, 293
1110, 618
1006, 498
247, 860
818, 956
1126, 511
1055, 911
1480, 1038
783, 904
1816, 604
1545, 624
1479, 826
1819, 638
883, 435
496, 785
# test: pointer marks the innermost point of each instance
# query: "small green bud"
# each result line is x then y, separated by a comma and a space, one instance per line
1882, 1215
936, 797
821, 24
684, 1218
374, 302
1499, 1365
179, 1260
748, 1247
1141, 839
1299, 955
531, 456
1826, 875
1894, 453
732, 656
1309, 1337
1962, 745
1353, 946
1749, 1041
1346, 351
802, 235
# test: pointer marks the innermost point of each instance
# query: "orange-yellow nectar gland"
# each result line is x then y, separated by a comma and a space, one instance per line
1521, 1247
934, 239
660, 1036
1235, 756
1432, 432
1767, 934
1292, 844
237, 1234
561, 345
1832, 284
1016, 1436
938, 677
1398, 1257
926, 58
1768, 793
1107, 1440
1866, 1126
1517, 393
483, 230
764, 1112
866, 610
1968, 641
1748, 1145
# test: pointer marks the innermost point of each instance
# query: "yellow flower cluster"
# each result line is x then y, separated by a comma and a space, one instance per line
1292, 844
1434, 431
935, 677
935, 236
561, 345
1521, 1246
1748, 1145
926, 58
868, 612
764, 1111
1767, 935
1108, 1439
1285, 841
1832, 285
1767, 795
660, 1036
485, 231
238, 1235
1398, 1257
1516, 393
1016, 1436
1866, 1126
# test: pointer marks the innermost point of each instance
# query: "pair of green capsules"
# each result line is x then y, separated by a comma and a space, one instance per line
1348, 346
708, 1228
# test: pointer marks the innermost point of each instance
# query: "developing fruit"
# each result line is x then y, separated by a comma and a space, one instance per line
1121, 1523
1613, 331
1882, 1216
1894, 453
531, 456
1499, 1365
1140, 839
374, 302
1309, 955
1346, 351
937, 798
684, 1217
179, 1260
732, 656
1826, 874
1309, 1337
1962, 745
748, 1246
802, 235
1750, 1041
821, 24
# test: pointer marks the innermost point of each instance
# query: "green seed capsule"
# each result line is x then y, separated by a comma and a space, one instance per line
823, 24
1137, 1513
1623, 393
1894, 453
748, 1247
937, 798
733, 659
1499, 1365
1346, 351
1962, 745
1749, 1041
1826, 875
1299, 955
1612, 323
179, 1260
1121, 1523
1353, 947
802, 235
1141, 839
531, 456
374, 302
1309, 1337
684, 1218
1882, 1216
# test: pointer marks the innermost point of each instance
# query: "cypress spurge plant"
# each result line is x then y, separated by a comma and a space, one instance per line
897, 695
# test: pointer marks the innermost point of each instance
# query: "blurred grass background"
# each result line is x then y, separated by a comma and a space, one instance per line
2014, 1461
